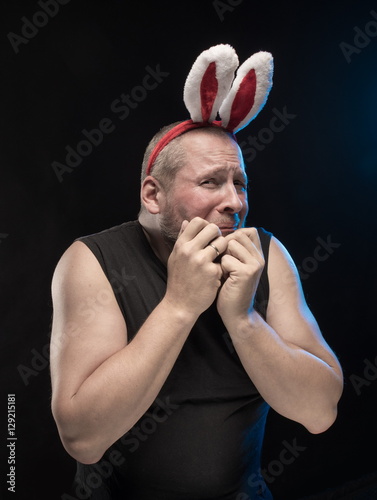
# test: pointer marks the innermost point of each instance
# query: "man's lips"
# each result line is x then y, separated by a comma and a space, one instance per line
227, 225
228, 228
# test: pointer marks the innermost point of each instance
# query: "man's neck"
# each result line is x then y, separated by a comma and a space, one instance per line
152, 231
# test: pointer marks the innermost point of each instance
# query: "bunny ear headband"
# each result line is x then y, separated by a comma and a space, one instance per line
211, 91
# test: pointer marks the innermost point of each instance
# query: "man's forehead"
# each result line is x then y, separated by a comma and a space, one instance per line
207, 138
216, 150
223, 168
195, 170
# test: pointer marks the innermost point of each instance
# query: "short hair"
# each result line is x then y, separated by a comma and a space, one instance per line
168, 162
173, 155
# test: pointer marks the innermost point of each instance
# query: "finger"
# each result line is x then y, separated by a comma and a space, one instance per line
241, 250
183, 227
192, 228
248, 240
200, 233
253, 235
244, 251
242, 240
217, 247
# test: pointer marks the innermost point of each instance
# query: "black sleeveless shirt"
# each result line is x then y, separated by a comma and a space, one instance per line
202, 437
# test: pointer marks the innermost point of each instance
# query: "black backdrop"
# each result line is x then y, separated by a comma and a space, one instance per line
64, 67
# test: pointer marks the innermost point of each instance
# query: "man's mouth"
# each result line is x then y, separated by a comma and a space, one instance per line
227, 229
227, 225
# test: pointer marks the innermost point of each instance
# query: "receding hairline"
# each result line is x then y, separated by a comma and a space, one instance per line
175, 146
209, 131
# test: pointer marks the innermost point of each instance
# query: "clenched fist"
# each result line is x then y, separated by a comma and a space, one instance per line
194, 272
242, 265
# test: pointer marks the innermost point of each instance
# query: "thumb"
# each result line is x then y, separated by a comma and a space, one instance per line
183, 227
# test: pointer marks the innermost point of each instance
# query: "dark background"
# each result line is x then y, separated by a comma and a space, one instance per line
316, 178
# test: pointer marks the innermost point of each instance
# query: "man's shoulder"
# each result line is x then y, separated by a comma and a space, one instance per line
112, 232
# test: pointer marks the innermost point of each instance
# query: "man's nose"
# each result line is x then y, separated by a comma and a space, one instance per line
231, 201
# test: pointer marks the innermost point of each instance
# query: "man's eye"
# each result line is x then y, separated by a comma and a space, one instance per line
240, 184
208, 181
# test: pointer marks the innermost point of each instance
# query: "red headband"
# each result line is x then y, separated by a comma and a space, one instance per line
211, 90
179, 129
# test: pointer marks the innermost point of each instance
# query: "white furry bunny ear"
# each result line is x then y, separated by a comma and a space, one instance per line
249, 92
209, 91
209, 81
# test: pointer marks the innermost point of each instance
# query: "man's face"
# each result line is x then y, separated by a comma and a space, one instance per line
212, 185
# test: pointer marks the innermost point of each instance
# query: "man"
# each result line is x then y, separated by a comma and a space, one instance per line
177, 365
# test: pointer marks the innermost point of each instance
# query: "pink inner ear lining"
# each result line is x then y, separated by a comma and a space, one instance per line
243, 101
208, 91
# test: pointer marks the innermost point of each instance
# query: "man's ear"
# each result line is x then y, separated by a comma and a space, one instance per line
151, 194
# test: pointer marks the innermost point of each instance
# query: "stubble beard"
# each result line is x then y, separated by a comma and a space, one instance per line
170, 227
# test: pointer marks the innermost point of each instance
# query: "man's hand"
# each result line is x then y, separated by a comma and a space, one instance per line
285, 355
193, 276
242, 265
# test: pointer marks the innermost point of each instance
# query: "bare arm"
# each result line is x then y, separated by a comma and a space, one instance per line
101, 385
286, 356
